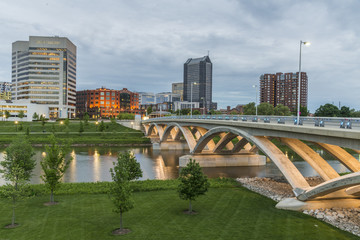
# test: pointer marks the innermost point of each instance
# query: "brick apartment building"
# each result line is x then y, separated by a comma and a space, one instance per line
106, 103
282, 88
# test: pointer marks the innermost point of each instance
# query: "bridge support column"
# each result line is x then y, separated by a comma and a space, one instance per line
171, 145
224, 160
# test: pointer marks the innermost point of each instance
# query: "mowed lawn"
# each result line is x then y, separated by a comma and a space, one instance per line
223, 213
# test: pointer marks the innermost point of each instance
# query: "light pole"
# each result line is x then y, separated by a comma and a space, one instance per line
299, 85
203, 106
191, 87
255, 86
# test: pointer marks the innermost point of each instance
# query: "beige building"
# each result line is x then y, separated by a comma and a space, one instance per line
44, 72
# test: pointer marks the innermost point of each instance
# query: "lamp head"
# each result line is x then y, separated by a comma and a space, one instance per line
306, 43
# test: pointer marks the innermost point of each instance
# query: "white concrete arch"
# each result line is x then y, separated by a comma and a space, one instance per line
159, 129
287, 168
186, 132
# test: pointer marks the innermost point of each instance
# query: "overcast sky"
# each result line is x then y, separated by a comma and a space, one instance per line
142, 45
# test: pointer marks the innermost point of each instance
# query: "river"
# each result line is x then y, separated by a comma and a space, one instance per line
92, 164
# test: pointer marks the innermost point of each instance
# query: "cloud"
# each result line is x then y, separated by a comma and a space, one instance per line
142, 45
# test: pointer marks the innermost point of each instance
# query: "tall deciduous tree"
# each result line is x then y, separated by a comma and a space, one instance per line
249, 109
16, 168
345, 112
193, 182
54, 164
327, 110
281, 110
265, 109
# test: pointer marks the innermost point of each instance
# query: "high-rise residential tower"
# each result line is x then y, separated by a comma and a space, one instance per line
44, 72
198, 77
282, 88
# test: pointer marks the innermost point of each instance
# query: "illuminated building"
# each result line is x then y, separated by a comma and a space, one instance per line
105, 103
44, 72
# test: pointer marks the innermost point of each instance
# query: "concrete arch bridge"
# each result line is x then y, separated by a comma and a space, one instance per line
208, 138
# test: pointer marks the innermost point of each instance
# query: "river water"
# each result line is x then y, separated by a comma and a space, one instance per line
92, 164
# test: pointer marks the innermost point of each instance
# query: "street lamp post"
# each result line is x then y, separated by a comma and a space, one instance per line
255, 86
204, 112
191, 87
299, 83
16, 124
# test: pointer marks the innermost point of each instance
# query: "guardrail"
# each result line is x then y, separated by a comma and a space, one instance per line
344, 123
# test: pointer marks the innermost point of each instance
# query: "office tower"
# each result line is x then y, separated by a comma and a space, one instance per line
282, 88
198, 81
44, 72
103, 102
178, 88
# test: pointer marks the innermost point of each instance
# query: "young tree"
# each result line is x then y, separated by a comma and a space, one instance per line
102, 126
67, 123
16, 168
27, 131
149, 110
132, 166
81, 128
55, 164
86, 119
21, 114
53, 129
35, 116
120, 191
7, 114
43, 121
193, 182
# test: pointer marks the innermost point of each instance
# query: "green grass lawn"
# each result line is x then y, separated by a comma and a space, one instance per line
113, 133
223, 213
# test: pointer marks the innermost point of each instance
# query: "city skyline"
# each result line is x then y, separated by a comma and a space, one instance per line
142, 45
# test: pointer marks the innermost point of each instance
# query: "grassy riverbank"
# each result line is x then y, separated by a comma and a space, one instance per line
227, 211
113, 134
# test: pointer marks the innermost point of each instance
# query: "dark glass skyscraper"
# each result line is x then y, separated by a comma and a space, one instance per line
198, 73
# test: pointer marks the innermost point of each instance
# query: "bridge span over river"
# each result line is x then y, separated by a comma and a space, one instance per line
236, 137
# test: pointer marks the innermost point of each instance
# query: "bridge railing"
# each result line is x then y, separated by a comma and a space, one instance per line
333, 122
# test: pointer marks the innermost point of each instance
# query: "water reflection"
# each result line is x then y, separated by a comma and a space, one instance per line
91, 164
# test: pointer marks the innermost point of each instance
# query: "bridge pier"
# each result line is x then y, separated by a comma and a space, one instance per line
171, 145
297, 205
224, 160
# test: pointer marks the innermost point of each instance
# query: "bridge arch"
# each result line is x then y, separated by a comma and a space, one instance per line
287, 168
158, 129
186, 132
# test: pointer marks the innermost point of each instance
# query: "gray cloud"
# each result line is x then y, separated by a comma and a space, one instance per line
142, 45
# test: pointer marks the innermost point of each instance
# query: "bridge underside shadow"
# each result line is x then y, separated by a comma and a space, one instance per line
219, 146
